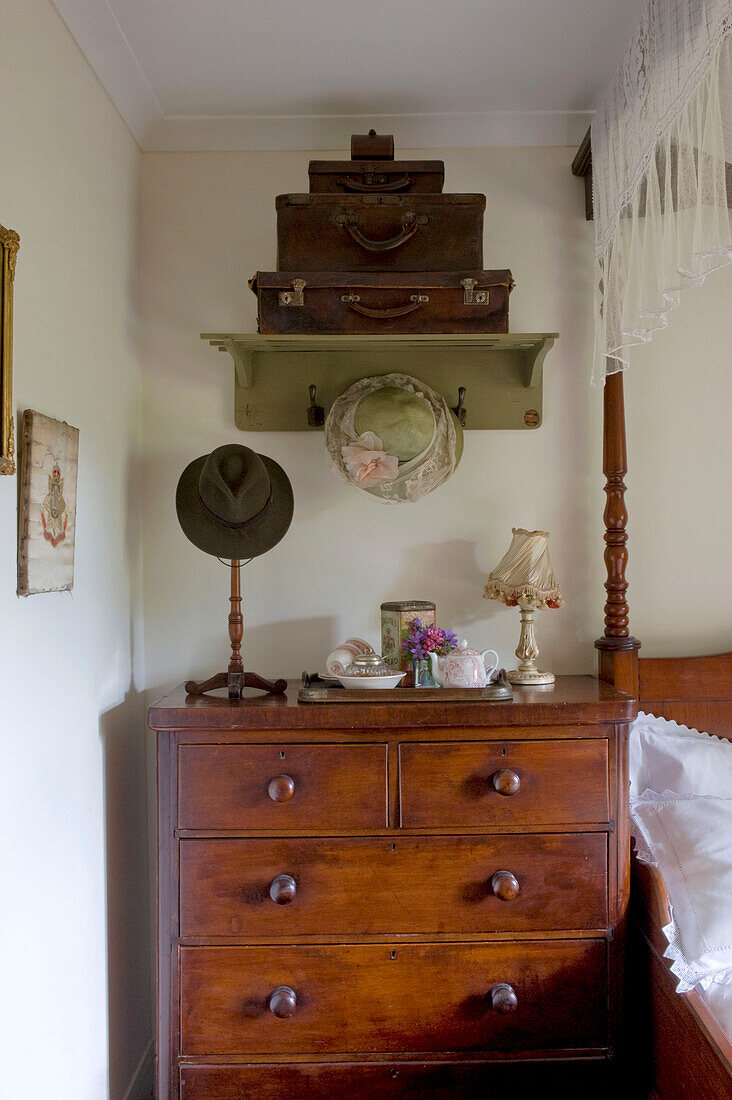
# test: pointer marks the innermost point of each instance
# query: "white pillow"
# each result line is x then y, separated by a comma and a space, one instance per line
690, 839
667, 757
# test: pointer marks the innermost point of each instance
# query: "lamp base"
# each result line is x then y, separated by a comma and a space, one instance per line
527, 674
533, 677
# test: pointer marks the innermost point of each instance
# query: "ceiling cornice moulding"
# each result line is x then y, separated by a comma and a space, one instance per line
328, 132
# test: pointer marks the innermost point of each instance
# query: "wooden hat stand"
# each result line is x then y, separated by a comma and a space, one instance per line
236, 679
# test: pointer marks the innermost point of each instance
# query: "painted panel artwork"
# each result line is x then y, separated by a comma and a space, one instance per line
49, 459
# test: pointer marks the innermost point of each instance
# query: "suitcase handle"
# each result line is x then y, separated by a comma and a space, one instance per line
415, 301
401, 183
410, 225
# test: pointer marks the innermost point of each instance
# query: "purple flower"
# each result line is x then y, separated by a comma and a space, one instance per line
419, 641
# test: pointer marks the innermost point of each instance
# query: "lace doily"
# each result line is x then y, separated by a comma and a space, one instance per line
660, 143
418, 476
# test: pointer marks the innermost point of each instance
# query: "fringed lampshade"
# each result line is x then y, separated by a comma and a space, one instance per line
524, 578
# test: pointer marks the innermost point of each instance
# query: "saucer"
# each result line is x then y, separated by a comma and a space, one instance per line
372, 683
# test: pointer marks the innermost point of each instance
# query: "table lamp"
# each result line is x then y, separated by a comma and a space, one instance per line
524, 578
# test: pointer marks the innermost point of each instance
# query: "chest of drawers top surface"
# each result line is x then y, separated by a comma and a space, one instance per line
571, 700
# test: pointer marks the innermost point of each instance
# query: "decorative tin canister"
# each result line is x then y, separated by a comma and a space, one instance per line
394, 620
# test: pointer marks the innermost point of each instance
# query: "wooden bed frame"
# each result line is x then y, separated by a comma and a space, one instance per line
688, 1055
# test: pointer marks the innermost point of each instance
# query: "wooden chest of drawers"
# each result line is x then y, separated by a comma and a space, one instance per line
389, 900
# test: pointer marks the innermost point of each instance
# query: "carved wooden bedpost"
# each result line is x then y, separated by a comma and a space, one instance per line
617, 649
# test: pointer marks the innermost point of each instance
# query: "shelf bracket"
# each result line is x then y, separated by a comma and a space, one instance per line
243, 362
534, 360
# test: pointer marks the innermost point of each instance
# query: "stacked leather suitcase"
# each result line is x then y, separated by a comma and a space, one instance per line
377, 248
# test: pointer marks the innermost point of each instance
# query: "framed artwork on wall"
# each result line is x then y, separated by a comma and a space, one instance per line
9, 244
49, 459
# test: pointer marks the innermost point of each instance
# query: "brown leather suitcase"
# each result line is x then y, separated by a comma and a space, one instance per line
376, 176
353, 303
372, 168
379, 232
372, 146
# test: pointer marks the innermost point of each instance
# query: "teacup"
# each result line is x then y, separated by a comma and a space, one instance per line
337, 661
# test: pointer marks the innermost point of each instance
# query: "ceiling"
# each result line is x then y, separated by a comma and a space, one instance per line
304, 74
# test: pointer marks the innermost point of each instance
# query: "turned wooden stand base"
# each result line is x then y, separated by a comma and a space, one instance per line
235, 678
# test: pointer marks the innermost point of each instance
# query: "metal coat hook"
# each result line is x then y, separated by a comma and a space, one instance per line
316, 414
459, 409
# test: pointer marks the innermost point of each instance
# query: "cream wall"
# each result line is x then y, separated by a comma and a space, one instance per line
74, 935
679, 403
208, 222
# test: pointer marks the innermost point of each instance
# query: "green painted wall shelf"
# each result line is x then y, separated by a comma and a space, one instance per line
502, 374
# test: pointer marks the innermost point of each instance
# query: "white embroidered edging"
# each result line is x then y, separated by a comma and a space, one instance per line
689, 974
677, 727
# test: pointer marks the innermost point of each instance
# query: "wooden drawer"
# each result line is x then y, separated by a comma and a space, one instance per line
541, 783
409, 997
281, 787
394, 1081
417, 885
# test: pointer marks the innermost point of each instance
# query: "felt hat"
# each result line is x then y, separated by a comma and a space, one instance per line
234, 503
393, 437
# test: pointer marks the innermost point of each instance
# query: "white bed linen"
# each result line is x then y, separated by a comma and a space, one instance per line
718, 998
689, 839
665, 756
681, 809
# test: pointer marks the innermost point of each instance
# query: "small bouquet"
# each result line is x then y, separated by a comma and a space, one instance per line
419, 641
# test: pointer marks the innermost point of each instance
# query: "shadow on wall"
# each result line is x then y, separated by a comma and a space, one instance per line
129, 961
265, 650
461, 579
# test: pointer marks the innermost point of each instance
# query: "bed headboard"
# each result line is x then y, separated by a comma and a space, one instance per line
694, 691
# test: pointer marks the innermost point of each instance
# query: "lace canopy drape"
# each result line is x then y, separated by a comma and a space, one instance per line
661, 144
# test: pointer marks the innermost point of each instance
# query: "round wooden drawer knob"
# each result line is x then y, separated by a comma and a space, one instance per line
283, 889
281, 788
506, 781
503, 998
504, 885
283, 1002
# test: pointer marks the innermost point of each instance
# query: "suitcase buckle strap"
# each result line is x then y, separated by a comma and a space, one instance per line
294, 297
473, 297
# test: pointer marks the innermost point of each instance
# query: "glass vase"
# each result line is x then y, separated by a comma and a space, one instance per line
422, 674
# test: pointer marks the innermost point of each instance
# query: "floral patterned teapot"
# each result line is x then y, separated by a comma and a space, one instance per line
463, 667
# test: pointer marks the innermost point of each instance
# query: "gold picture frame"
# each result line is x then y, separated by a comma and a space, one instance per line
9, 245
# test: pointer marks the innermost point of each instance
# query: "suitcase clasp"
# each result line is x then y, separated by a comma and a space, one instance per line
471, 297
294, 297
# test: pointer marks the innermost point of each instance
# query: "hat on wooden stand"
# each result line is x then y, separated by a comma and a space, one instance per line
234, 503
